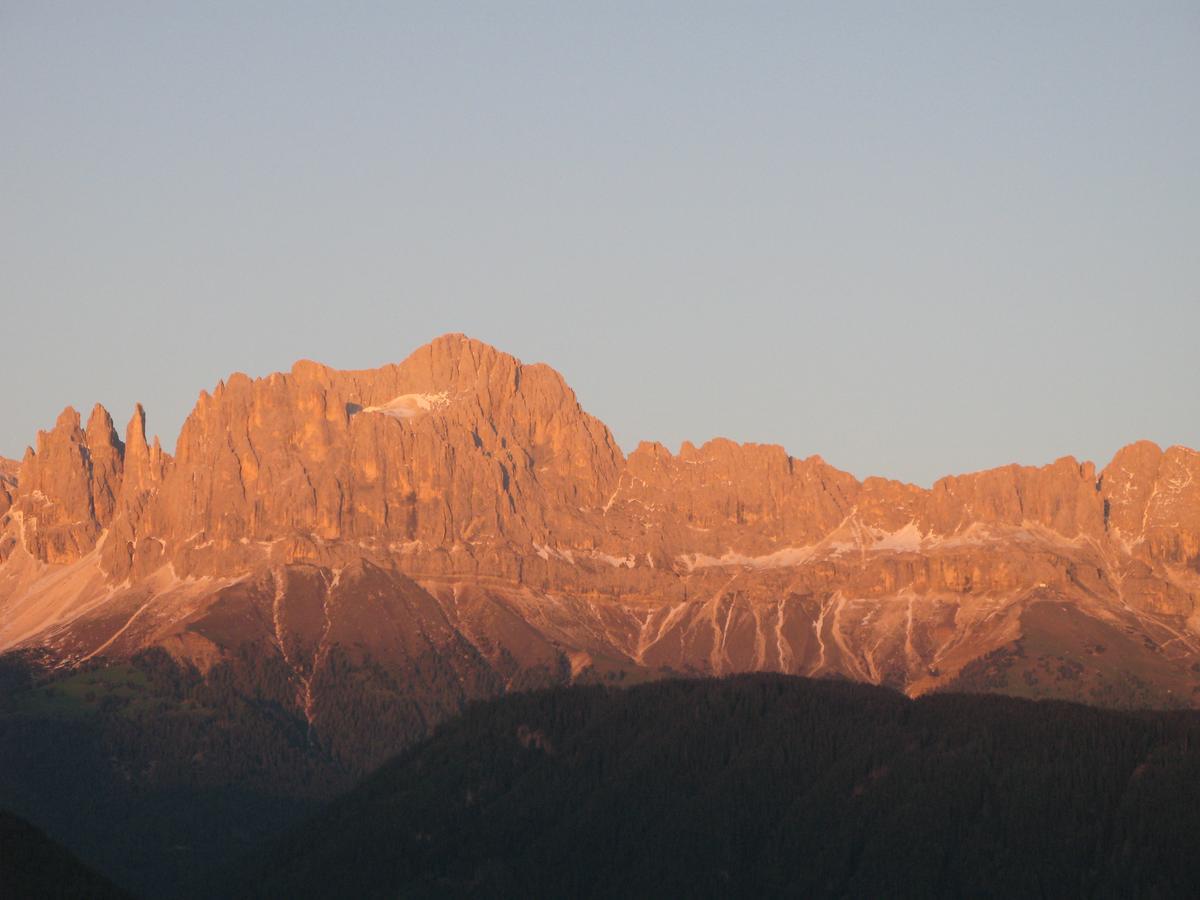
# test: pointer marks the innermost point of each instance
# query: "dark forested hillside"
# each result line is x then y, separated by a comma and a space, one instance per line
764, 785
33, 866
150, 774
752, 785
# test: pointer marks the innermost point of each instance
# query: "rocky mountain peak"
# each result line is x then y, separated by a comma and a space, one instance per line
67, 488
458, 444
100, 429
106, 455
465, 498
8, 482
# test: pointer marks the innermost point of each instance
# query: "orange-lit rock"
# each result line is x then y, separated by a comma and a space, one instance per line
478, 528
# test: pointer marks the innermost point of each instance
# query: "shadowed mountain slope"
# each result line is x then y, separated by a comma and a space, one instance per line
32, 865
764, 786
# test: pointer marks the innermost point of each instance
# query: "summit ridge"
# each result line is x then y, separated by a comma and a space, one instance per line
460, 513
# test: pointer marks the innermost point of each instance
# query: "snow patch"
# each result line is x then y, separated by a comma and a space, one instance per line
572, 556
545, 551
410, 406
906, 540
627, 562
788, 556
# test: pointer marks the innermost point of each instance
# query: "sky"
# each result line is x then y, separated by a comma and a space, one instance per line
914, 238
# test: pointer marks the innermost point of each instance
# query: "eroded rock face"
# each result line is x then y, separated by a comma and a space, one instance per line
458, 525
458, 446
8, 482
67, 488
1153, 503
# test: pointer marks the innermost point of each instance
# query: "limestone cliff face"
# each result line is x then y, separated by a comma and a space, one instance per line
143, 468
458, 519
727, 497
8, 482
67, 487
1063, 497
459, 446
1152, 502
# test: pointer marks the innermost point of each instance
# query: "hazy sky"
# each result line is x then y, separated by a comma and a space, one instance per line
913, 238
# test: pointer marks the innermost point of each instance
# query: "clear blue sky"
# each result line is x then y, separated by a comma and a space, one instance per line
914, 238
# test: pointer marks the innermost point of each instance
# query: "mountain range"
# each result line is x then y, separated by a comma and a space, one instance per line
410, 538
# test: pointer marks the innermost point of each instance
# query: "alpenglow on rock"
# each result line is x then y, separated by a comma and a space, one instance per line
455, 526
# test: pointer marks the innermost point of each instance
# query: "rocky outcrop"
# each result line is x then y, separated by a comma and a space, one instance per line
460, 445
67, 487
126, 552
8, 482
458, 525
1152, 503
